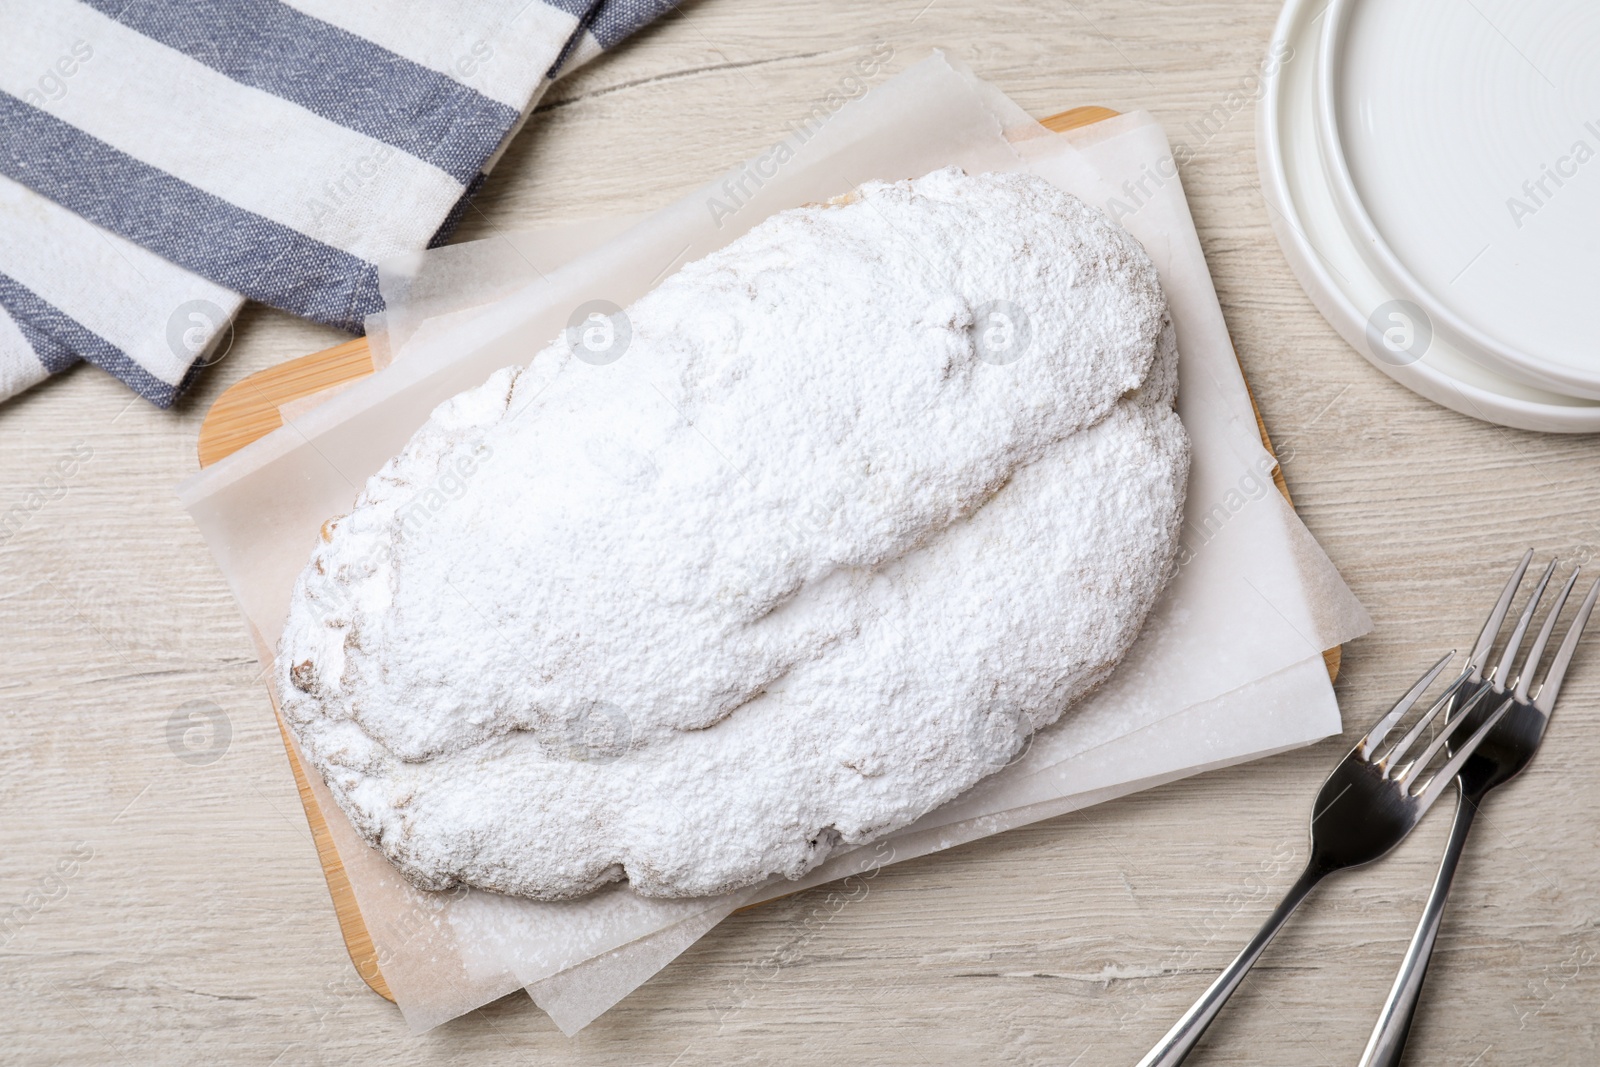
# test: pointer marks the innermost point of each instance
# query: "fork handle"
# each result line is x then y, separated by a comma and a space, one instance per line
1185, 1033
1388, 1041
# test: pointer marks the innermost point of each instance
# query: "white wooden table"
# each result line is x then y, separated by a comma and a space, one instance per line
161, 910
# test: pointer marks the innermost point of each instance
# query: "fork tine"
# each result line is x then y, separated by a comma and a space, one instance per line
1381, 728
1428, 716
1531, 666
1497, 618
1558, 667
1508, 658
1457, 717
1447, 774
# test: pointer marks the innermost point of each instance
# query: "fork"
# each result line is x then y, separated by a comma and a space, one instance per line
1365, 808
1505, 751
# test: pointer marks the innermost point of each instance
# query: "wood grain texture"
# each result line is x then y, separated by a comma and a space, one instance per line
248, 410
198, 930
352, 924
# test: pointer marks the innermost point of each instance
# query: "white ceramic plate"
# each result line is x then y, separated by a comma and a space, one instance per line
1374, 252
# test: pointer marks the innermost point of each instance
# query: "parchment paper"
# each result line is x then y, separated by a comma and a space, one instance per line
1255, 599
1286, 710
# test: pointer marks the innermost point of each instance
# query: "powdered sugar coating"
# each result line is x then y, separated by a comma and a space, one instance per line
799, 567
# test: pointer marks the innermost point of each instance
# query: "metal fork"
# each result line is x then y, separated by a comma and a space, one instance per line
1365, 808
1505, 751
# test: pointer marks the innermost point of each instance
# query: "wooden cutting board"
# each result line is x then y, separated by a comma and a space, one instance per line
248, 410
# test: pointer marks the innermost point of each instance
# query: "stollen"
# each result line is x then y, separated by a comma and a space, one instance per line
161, 161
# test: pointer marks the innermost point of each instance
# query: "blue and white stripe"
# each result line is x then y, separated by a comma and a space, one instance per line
161, 160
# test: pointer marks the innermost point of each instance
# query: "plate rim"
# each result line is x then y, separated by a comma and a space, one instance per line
1335, 305
1493, 354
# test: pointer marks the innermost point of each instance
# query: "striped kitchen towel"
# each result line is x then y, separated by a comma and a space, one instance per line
163, 160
